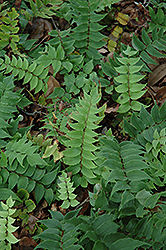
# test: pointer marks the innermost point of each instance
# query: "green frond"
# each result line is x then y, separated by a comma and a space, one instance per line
35, 74
66, 192
80, 155
61, 234
128, 87
6, 228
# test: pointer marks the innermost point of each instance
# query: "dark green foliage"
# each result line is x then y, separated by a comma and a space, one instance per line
61, 234
125, 180
86, 33
44, 8
23, 167
27, 206
157, 43
8, 102
34, 73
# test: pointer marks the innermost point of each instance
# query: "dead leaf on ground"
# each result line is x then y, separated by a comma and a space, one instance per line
54, 206
27, 242
126, 37
18, 4
31, 222
112, 109
38, 28
161, 95
158, 73
52, 83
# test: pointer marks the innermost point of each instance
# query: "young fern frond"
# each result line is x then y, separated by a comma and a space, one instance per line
9, 29
6, 227
80, 155
129, 77
66, 192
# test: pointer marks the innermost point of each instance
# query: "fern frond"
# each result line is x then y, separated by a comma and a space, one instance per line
45, 8
61, 234
154, 45
35, 74
66, 192
80, 153
87, 35
8, 102
129, 77
23, 167
9, 29
6, 227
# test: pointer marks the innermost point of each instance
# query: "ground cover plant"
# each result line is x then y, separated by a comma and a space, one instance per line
82, 125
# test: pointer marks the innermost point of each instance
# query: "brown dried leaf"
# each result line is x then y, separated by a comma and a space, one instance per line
38, 28
18, 3
27, 242
158, 73
112, 109
54, 206
52, 83
31, 222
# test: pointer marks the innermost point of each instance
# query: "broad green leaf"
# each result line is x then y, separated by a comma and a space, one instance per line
128, 243
137, 95
35, 159
146, 39
154, 52
88, 67
129, 128
122, 88
39, 192
147, 58
124, 108
121, 79
137, 44
136, 106
99, 245
135, 78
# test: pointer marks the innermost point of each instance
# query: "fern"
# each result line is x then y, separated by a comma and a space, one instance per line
80, 153
106, 4
66, 192
24, 207
8, 102
9, 28
56, 58
60, 233
87, 35
44, 8
23, 167
93, 232
63, 38
130, 89
35, 74
158, 20
6, 227
152, 46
